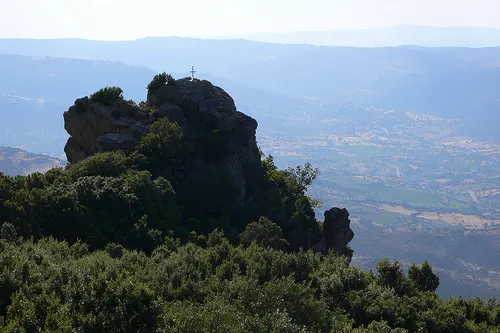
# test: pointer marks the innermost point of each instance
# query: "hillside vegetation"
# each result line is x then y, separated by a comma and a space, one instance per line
210, 285
183, 231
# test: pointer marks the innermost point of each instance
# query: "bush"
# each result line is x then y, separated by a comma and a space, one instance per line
264, 233
391, 275
159, 81
107, 164
51, 286
163, 140
8, 232
423, 277
146, 108
106, 95
114, 250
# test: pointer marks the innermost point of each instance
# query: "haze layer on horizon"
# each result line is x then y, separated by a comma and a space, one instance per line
132, 19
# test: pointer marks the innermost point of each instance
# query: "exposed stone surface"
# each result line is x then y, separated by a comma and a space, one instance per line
172, 112
196, 105
337, 232
206, 114
96, 128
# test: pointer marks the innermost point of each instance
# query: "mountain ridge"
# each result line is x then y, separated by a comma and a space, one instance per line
360, 76
385, 36
15, 161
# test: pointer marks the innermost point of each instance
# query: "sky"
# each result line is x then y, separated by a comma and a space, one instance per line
132, 19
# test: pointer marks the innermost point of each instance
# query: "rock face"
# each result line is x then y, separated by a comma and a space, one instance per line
337, 232
95, 128
197, 106
216, 140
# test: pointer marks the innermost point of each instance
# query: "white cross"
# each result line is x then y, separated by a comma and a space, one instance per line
192, 72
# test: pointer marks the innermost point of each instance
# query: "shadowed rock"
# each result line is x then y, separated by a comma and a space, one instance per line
337, 232
95, 128
199, 107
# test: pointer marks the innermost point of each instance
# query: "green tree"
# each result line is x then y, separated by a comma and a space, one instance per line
390, 274
163, 140
423, 277
159, 81
264, 233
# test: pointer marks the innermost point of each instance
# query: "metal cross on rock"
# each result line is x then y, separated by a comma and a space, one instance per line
192, 73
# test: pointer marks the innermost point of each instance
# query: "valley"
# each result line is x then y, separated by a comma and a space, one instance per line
419, 175
414, 188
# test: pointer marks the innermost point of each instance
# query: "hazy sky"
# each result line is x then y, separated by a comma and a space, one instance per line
131, 19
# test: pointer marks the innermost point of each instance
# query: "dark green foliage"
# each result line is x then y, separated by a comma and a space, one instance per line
423, 277
281, 198
50, 286
264, 233
159, 81
96, 209
391, 275
109, 164
8, 232
302, 177
163, 141
146, 108
106, 95
114, 250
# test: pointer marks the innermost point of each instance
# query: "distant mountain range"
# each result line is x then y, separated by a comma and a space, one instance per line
35, 91
387, 36
447, 81
14, 161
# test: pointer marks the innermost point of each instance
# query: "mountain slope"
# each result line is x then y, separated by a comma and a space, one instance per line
37, 90
387, 36
40, 89
451, 82
66, 79
14, 161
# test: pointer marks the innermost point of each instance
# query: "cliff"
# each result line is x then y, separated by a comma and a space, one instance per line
199, 107
215, 168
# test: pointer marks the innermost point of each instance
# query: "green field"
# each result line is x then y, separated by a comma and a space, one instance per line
415, 189
380, 192
386, 218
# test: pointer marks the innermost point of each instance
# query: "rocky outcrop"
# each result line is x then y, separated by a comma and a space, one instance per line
95, 128
216, 140
337, 232
196, 105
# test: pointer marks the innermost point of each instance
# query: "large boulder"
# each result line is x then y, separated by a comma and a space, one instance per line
199, 107
337, 232
95, 128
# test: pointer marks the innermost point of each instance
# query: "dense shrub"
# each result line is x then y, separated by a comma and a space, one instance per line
50, 286
264, 233
106, 95
423, 278
163, 140
159, 81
